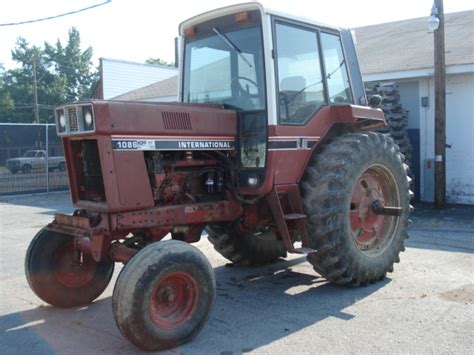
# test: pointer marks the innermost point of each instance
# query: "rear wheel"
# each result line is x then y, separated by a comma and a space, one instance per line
26, 169
342, 182
58, 276
164, 295
62, 166
257, 248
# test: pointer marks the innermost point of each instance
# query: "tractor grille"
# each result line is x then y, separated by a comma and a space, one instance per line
72, 116
177, 121
88, 171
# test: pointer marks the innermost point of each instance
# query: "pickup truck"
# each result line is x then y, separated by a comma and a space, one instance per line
35, 160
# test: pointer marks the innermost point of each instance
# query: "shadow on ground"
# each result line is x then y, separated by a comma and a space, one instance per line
254, 307
449, 229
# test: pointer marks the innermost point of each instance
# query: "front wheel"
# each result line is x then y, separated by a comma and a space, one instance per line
58, 276
164, 295
341, 188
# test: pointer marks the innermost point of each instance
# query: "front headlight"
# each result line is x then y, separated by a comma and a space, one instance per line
74, 119
60, 121
88, 118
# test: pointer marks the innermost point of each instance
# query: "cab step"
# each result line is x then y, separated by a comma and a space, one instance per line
287, 209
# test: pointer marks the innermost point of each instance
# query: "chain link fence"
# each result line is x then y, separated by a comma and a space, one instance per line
31, 159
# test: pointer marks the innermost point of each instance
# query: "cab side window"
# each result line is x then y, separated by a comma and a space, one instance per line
339, 88
300, 81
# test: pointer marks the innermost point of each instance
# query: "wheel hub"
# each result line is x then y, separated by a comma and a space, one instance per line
367, 227
173, 300
72, 271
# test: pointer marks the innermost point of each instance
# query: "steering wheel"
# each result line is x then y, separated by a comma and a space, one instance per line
244, 92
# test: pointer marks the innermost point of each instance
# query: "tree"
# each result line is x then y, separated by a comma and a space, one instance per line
16, 85
159, 61
74, 65
63, 73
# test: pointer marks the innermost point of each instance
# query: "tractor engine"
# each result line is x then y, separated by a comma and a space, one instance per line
178, 177
126, 157
158, 152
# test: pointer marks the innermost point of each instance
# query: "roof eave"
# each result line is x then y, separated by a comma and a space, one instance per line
417, 73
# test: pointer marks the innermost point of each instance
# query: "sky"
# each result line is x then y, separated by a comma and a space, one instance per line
136, 30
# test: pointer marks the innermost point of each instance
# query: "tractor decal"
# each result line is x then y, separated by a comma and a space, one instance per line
166, 144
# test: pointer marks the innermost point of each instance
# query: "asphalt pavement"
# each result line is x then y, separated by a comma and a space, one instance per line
425, 306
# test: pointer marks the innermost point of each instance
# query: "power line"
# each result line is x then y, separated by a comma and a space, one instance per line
55, 16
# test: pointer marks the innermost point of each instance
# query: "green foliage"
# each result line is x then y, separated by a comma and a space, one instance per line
159, 61
63, 73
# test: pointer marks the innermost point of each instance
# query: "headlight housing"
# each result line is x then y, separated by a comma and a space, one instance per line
60, 121
71, 119
87, 118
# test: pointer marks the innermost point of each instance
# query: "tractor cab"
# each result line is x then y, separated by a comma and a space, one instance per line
277, 72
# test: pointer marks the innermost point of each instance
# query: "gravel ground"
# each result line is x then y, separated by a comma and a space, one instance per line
425, 306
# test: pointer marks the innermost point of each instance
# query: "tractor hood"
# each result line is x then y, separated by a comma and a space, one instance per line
151, 126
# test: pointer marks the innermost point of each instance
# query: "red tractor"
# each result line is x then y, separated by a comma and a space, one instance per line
271, 150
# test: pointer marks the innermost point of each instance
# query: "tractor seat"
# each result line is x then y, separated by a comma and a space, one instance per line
292, 85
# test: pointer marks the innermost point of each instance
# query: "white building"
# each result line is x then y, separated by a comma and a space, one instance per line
162, 91
402, 51
118, 77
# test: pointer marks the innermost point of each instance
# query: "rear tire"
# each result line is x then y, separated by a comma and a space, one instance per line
26, 169
56, 279
62, 166
396, 117
164, 295
246, 248
355, 246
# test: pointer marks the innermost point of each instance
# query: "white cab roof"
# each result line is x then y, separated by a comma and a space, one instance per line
249, 6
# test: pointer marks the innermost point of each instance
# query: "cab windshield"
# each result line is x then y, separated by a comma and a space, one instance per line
223, 64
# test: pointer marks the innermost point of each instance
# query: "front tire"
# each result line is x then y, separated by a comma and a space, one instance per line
56, 278
164, 295
354, 245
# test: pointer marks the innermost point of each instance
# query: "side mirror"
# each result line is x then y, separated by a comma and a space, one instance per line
375, 101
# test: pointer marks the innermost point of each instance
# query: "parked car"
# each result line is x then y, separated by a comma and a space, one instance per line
35, 160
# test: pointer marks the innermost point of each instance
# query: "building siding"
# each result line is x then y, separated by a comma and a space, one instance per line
120, 77
459, 135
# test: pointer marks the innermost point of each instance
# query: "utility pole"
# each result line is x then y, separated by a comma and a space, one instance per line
440, 109
35, 91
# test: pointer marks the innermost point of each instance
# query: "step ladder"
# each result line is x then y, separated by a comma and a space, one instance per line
287, 210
